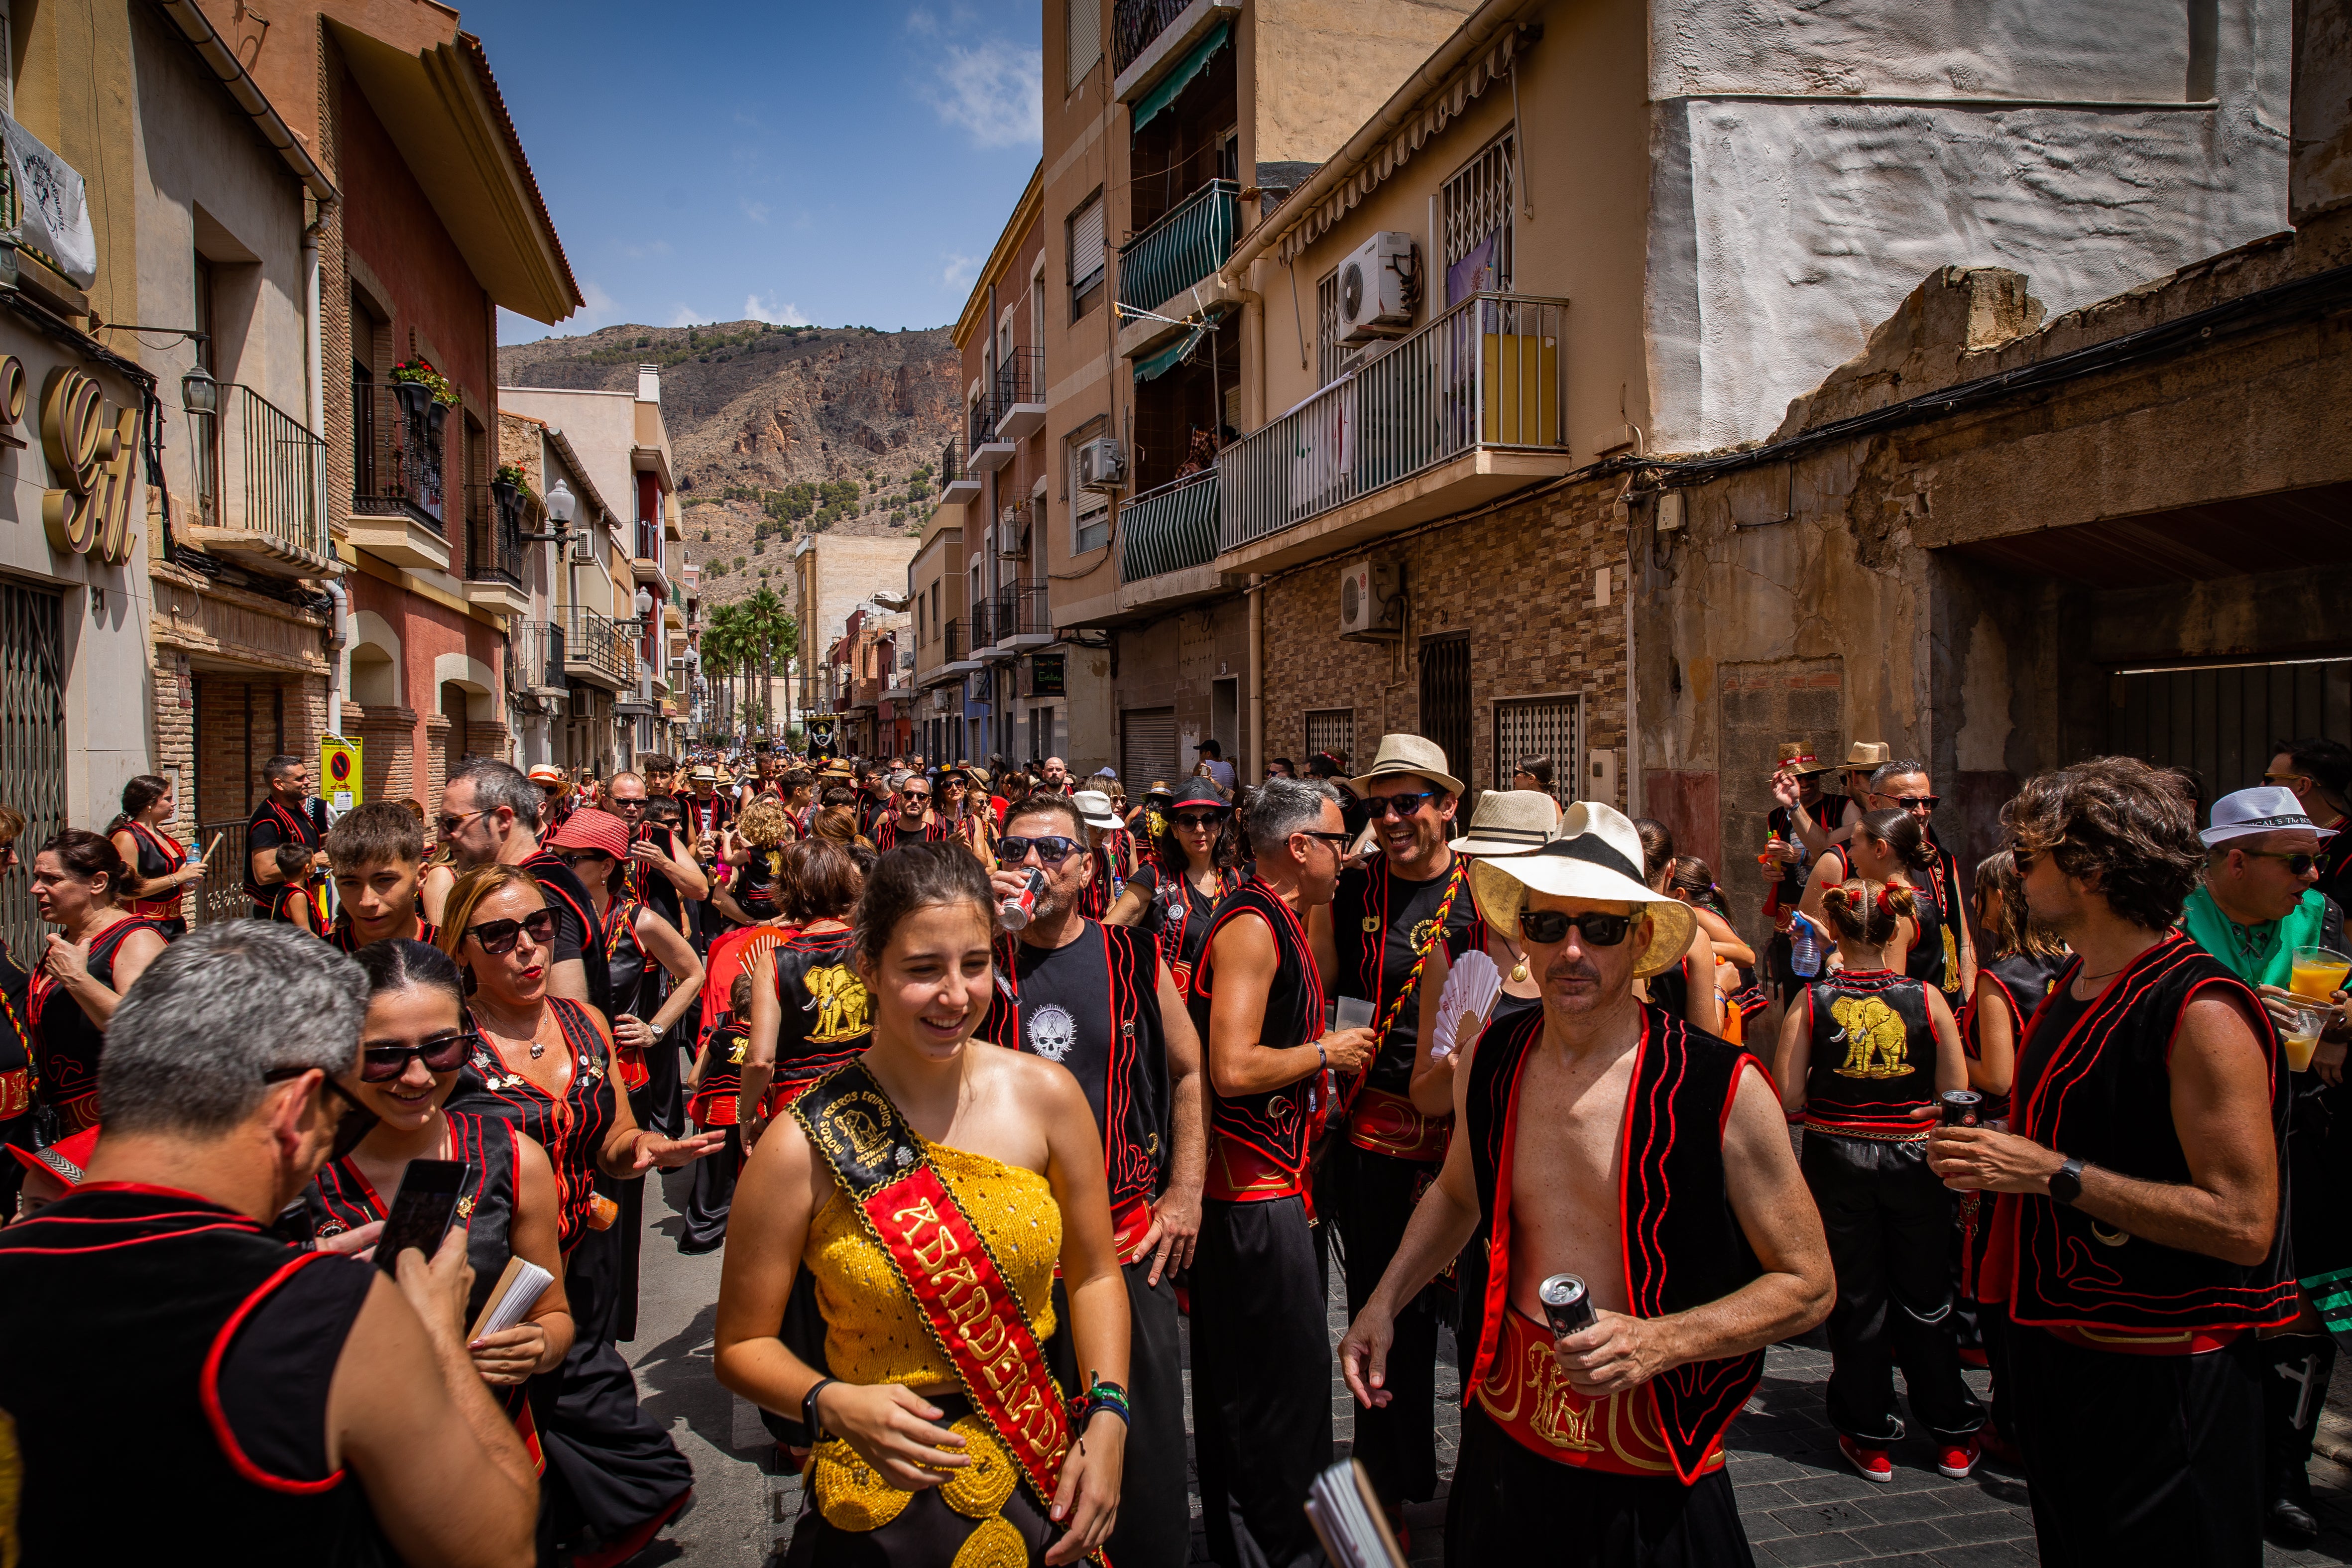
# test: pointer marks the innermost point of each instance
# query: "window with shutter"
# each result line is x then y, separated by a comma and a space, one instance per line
1089, 509
1085, 40
1086, 251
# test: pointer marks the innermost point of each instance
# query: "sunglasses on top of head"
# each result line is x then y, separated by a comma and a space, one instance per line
442, 1053
499, 937
1551, 926
356, 1123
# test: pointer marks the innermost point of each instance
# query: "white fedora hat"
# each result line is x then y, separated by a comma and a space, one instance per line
2265, 809
1598, 856
1093, 808
1508, 822
1409, 754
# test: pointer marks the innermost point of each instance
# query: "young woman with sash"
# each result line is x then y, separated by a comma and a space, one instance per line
160, 864
1865, 1051
83, 972
413, 1043
1175, 895
545, 1063
931, 1186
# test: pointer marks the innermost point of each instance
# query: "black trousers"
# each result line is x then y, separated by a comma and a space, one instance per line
1889, 1223
2150, 1460
2295, 1370
1155, 1526
1371, 1200
1261, 1380
711, 1194
1509, 1506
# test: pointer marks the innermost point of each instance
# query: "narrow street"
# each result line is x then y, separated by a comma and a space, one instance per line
1802, 1505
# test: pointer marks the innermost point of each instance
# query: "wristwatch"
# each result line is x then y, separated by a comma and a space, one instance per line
2066, 1182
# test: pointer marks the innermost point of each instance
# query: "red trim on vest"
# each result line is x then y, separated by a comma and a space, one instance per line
209, 1389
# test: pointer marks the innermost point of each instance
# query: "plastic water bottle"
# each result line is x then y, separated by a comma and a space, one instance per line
1804, 948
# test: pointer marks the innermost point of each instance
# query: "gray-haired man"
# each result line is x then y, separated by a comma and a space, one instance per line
304, 1398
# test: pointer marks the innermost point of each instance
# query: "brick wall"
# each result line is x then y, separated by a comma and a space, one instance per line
1519, 580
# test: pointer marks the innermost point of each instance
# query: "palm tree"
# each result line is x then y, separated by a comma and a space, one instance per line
770, 636
723, 650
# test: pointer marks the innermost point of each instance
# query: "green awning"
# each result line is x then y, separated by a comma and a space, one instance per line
1159, 360
1177, 80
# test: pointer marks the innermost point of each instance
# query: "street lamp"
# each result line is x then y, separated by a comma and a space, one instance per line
562, 507
644, 603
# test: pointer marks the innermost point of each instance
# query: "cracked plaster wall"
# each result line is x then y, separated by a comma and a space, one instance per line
1793, 205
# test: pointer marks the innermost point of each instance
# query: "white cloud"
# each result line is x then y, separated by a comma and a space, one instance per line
758, 310
687, 316
756, 211
996, 91
960, 270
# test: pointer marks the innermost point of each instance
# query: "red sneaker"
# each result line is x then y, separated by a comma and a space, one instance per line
1872, 1463
1957, 1460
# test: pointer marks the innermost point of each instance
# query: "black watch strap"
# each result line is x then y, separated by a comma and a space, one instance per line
2066, 1182
808, 1410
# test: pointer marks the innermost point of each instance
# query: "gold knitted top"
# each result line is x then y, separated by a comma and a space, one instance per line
874, 1333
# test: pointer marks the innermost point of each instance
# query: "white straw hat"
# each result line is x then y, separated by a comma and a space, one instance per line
1598, 856
1093, 808
1508, 822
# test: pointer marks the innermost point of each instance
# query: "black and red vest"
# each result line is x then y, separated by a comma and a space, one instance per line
66, 1045
127, 1300
1874, 1055
344, 937
1383, 928
160, 855
1278, 1124
293, 827
571, 1128
1684, 1246
339, 1199
827, 1014
2022, 983
2103, 1094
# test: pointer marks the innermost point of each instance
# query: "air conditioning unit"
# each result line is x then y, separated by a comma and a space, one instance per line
1370, 605
1013, 536
1102, 465
584, 542
1379, 286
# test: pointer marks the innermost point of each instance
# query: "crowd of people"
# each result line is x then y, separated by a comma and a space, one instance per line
989, 1077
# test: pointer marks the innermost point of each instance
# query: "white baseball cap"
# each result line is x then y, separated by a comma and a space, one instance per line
2265, 809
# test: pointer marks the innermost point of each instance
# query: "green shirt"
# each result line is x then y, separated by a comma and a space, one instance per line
2260, 955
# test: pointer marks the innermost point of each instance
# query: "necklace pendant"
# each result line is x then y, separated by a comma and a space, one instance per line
1519, 973
536, 1050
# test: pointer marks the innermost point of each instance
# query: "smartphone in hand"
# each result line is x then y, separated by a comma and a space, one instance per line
422, 1210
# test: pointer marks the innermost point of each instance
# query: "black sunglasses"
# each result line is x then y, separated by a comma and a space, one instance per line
1377, 806
499, 936
1051, 849
574, 861
1336, 840
1211, 820
1551, 926
442, 1053
2297, 865
1915, 802
357, 1121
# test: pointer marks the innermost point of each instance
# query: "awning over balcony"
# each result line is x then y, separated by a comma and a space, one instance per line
1159, 360
1148, 107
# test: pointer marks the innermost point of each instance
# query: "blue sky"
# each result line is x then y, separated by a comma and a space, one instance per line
843, 163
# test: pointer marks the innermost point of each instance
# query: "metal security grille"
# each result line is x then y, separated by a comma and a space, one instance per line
1147, 747
1445, 695
1328, 351
2223, 722
1475, 207
1528, 727
32, 742
1331, 730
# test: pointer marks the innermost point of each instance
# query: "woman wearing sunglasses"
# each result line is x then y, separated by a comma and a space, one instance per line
77, 879
545, 1063
961, 816
909, 1469
1193, 868
1688, 989
1890, 845
641, 947
410, 1050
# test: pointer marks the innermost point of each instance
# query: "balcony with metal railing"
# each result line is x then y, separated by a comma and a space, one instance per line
596, 650
956, 486
1168, 274
955, 646
1169, 529
1020, 395
535, 658
399, 497
494, 549
261, 486
1470, 408
989, 452
982, 619
1024, 616
1150, 38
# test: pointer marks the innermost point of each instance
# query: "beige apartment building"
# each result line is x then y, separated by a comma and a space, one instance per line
835, 575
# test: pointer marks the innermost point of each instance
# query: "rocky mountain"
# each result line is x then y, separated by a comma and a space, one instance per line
776, 430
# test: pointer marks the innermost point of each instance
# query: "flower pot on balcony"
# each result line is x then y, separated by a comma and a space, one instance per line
436, 415
508, 496
415, 397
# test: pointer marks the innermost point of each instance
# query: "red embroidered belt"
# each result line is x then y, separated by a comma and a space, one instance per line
1391, 1124
157, 909
16, 1093
1128, 1226
1240, 1172
1526, 1395
2135, 1341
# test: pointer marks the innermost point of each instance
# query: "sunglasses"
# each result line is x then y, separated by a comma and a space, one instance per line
1051, 849
442, 1053
619, 804
573, 859
551, 791
1207, 821
1379, 805
357, 1120
499, 936
448, 825
2297, 865
1336, 840
2286, 778
1916, 801
917, 795
1551, 926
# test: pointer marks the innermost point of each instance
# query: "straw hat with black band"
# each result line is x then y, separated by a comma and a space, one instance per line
1413, 754
1597, 856
1508, 822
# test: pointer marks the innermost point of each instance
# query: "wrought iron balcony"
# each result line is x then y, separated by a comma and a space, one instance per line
1135, 23
983, 621
1488, 375
260, 486
1024, 618
1183, 246
493, 536
956, 486
397, 449
534, 657
951, 642
1170, 528
1018, 410
596, 650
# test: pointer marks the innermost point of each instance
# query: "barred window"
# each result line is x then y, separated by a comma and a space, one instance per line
1476, 210
1329, 350
1550, 727
1331, 730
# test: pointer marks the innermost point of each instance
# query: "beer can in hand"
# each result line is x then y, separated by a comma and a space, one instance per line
1959, 1106
1014, 913
1566, 1303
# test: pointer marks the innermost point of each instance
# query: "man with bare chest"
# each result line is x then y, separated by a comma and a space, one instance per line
1609, 1142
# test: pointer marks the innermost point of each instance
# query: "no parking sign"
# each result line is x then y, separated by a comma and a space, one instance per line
339, 773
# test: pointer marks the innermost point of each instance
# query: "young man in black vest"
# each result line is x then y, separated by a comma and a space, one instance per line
1097, 1000
1385, 919
312, 1407
2137, 1242
1598, 1138
1261, 1353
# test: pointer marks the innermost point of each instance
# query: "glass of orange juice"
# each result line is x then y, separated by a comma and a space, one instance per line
2301, 1038
2318, 973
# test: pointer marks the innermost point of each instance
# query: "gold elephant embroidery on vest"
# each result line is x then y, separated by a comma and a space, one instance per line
1877, 1040
838, 998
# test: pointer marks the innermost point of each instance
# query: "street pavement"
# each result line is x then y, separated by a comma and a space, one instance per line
1801, 1504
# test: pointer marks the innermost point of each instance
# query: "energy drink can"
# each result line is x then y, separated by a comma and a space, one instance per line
1014, 913
1959, 1106
1566, 1303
